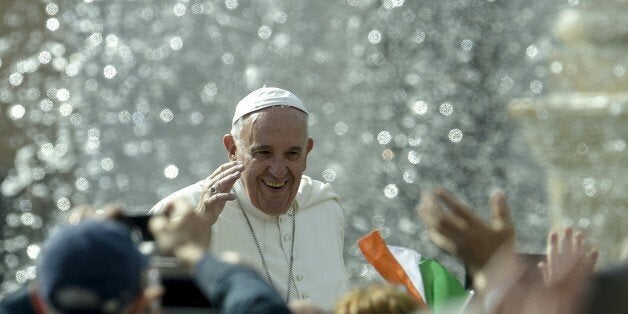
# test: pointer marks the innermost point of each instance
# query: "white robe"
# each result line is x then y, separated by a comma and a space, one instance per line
319, 273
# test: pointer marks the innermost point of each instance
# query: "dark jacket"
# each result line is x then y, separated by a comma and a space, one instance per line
236, 289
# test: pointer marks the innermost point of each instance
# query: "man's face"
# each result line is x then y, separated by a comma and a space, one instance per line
273, 148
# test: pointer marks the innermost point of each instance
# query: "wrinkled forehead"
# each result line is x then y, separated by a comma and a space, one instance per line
282, 119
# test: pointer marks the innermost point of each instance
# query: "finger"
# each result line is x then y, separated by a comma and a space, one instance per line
223, 197
567, 241
429, 211
577, 243
221, 169
542, 266
443, 242
224, 167
222, 181
552, 246
216, 202
226, 183
214, 205
591, 259
499, 209
456, 206
453, 228
169, 209
157, 224
448, 225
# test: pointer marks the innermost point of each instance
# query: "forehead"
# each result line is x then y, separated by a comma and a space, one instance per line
276, 124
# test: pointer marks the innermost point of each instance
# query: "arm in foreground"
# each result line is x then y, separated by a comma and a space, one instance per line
509, 286
233, 288
455, 227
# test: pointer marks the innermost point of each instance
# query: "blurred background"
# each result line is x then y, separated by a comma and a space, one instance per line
128, 100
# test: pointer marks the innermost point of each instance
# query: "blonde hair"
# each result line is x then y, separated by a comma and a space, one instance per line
378, 298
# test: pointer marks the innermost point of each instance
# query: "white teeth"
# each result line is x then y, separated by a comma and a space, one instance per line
274, 184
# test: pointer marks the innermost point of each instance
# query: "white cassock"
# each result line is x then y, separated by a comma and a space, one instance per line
318, 273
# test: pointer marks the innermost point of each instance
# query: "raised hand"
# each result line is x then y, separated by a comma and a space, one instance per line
187, 236
455, 227
217, 189
567, 259
509, 285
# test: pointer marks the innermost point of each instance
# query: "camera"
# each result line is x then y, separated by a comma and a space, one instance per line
181, 295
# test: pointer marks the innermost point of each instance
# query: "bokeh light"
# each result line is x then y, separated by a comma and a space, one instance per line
129, 100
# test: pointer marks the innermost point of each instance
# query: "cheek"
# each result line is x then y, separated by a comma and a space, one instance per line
252, 170
298, 168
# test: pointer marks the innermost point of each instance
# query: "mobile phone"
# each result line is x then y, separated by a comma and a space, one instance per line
138, 223
181, 293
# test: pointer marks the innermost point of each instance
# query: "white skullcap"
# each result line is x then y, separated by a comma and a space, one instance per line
266, 97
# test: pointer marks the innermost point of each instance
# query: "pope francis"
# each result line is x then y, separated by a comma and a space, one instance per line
289, 226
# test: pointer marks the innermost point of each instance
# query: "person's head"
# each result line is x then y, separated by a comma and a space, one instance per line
91, 267
269, 136
378, 298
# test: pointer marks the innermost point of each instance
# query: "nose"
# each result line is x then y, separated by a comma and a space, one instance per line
278, 167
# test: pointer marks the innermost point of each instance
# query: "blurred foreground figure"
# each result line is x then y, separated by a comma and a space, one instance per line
504, 282
288, 225
91, 267
377, 299
455, 228
230, 287
508, 284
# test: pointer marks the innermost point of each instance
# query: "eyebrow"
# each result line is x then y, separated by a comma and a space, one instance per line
262, 147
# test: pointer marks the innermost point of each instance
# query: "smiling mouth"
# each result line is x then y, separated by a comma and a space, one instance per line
274, 184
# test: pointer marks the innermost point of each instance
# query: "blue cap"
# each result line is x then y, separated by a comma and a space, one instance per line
92, 267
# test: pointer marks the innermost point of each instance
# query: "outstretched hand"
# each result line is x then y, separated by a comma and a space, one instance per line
217, 189
455, 227
187, 236
567, 260
509, 285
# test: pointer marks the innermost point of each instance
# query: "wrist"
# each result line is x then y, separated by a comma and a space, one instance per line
190, 255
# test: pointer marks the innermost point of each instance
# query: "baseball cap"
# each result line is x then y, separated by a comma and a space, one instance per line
91, 267
266, 97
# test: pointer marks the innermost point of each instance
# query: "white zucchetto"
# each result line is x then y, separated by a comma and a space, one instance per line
266, 97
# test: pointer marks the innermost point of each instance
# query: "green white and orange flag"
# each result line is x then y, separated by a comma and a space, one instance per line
431, 284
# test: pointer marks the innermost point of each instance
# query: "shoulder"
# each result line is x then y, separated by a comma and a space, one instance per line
318, 202
308, 182
191, 192
313, 192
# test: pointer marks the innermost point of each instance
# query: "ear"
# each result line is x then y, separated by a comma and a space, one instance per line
308, 148
230, 146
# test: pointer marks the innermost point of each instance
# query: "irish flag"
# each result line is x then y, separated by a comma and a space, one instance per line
431, 284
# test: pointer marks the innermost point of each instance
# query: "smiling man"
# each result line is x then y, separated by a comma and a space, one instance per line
287, 225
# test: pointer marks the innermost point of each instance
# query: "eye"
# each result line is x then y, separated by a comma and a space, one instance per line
261, 154
293, 155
